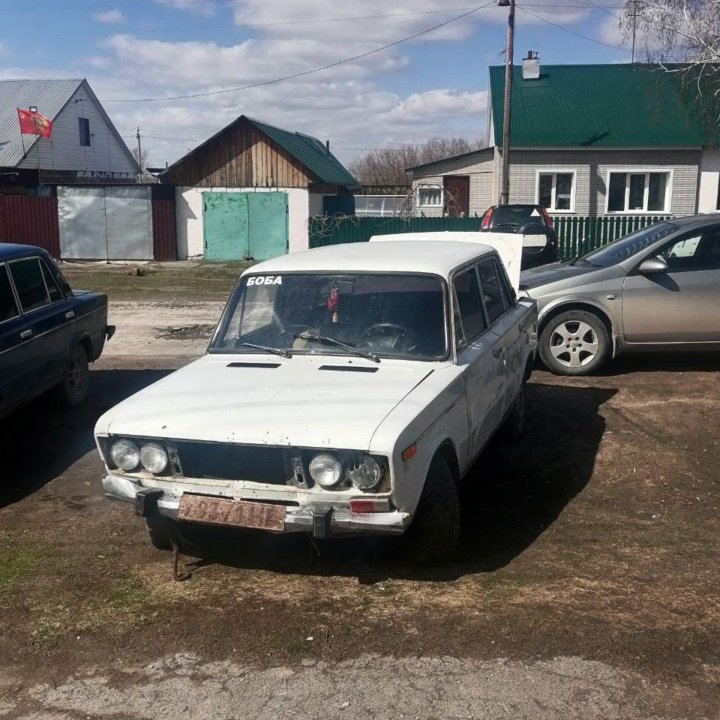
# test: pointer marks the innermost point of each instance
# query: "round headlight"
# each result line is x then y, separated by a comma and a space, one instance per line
125, 454
325, 470
153, 457
365, 473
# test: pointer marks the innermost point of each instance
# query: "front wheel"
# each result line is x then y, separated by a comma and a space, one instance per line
73, 388
574, 343
435, 529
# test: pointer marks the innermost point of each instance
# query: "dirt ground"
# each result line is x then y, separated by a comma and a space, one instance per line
587, 583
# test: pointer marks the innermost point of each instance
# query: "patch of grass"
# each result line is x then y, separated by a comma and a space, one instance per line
184, 281
126, 602
15, 565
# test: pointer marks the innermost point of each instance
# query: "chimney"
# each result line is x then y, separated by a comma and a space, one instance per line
531, 66
327, 147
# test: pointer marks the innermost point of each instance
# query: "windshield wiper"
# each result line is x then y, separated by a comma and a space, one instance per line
581, 261
264, 348
332, 341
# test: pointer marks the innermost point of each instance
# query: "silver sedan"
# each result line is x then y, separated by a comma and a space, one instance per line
655, 289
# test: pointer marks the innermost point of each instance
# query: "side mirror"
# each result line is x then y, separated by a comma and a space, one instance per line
653, 266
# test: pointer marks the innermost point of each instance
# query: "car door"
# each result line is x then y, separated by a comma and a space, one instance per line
49, 315
680, 305
499, 305
16, 348
478, 357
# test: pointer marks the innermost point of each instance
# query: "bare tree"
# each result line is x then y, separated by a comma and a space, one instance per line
141, 161
386, 166
679, 31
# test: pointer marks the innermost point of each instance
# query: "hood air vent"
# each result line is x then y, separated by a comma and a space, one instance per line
267, 365
349, 368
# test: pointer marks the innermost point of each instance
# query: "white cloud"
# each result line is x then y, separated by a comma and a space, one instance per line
111, 17
3, 50
346, 104
205, 8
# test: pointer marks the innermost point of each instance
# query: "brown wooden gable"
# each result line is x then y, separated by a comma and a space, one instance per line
239, 156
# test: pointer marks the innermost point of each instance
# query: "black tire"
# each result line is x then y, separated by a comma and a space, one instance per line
514, 426
435, 529
162, 531
72, 390
574, 343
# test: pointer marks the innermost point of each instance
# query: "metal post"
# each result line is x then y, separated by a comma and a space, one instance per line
507, 105
140, 162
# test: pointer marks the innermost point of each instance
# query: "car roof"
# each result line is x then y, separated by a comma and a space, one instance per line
695, 220
11, 251
403, 256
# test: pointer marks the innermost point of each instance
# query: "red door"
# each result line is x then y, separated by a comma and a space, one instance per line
457, 195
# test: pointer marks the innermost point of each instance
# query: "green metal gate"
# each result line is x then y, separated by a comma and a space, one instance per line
245, 225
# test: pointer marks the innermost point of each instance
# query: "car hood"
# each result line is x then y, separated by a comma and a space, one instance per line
303, 401
554, 272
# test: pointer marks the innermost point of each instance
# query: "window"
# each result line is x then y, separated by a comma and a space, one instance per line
470, 318
29, 284
494, 292
50, 284
84, 126
430, 196
8, 306
638, 192
696, 251
556, 190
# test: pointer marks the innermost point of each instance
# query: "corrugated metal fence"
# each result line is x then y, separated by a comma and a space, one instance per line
30, 221
576, 235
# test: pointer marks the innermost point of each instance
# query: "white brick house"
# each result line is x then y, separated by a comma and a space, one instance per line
586, 140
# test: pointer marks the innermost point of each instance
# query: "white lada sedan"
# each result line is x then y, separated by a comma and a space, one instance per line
347, 389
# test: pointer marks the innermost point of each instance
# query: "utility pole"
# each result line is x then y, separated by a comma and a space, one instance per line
507, 105
636, 7
140, 160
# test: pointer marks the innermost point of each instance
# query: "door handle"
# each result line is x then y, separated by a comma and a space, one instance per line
70, 315
25, 334
498, 351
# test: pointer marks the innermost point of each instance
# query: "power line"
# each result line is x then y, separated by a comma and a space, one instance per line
572, 32
306, 72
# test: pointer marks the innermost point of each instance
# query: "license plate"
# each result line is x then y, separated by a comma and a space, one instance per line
236, 513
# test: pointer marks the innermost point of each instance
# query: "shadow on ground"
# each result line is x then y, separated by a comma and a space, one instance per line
510, 497
662, 362
42, 440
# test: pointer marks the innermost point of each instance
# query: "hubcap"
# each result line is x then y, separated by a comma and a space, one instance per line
574, 344
77, 374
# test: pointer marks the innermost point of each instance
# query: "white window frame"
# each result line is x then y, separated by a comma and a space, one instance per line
431, 186
640, 171
555, 172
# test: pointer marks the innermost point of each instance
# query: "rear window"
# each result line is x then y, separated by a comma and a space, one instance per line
29, 284
513, 217
8, 307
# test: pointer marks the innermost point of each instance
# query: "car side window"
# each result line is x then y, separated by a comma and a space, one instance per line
29, 283
469, 318
697, 251
8, 306
494, 292
50, 284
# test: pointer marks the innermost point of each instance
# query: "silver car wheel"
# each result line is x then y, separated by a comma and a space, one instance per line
574, 344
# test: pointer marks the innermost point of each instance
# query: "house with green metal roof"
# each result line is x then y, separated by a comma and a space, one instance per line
586, 140
249, 190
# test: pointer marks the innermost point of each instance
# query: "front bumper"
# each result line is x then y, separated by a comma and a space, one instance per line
303, 518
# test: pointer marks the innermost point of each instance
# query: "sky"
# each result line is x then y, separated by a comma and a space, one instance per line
138, 54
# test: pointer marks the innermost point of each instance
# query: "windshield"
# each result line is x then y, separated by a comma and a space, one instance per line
625, 247
367, 315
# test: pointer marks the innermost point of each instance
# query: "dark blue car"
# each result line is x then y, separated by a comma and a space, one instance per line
48, 333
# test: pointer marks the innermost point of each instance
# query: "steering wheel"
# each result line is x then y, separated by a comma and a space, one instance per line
384, 329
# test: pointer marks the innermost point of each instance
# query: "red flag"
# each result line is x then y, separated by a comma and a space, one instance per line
33, 123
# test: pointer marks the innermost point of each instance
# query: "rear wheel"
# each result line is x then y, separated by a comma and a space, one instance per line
574, 343
73, 388
435, 529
